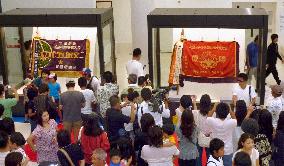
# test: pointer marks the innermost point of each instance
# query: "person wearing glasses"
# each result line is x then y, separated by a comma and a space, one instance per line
243, 91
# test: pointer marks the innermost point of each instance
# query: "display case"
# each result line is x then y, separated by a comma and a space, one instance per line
17, 22
164, 23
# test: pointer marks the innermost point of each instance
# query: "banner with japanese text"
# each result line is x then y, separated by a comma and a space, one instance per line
210, 61
66, 58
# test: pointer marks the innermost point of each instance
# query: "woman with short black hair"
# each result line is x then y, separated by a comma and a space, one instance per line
74, 151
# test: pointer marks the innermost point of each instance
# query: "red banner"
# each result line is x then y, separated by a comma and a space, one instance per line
210, 60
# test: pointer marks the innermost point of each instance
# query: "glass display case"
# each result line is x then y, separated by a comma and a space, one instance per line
228, 24
18, 26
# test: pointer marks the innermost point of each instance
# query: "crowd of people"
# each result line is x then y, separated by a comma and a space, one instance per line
102, 127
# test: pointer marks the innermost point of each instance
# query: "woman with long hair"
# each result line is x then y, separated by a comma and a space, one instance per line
278, 141
200, 117
142, 137
155, 153
265, 124
44, 136
187, 134
93, 137
241, 113
185, 102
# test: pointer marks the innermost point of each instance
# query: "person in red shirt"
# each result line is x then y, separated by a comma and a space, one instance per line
93, 137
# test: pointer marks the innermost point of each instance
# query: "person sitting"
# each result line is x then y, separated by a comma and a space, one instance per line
69, 153
216, 149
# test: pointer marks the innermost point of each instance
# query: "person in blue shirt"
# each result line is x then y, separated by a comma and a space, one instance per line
54, 90
251, 59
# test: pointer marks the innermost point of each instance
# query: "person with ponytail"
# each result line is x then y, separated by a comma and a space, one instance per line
185, 102
187, 134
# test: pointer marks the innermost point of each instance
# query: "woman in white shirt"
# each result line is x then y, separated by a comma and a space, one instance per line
154, 153
200, 121
185, 102
246, 144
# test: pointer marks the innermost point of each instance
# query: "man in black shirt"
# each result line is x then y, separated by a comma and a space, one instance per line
115, 119
272, 55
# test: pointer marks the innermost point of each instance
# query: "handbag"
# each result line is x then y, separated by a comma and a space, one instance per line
67, 157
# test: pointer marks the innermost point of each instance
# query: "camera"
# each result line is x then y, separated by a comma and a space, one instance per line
159, 96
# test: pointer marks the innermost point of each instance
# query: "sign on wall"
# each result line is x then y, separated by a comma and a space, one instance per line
66, 58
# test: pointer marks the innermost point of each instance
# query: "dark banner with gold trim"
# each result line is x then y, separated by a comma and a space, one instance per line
210, 61
66, 58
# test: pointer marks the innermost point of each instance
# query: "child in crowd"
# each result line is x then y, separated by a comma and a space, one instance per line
246, 144
242, 159
17, 141
132, 97
54, 90
216, 148
168, 131
4, 146
123, 98
15, 159
115, 159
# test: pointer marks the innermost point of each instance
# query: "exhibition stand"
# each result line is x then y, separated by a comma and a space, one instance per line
205, 22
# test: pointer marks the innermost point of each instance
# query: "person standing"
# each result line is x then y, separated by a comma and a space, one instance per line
105, 91
89, 97
243, 91
223, 128
71, 103
134, 66
8, 103
93, 82
272, 55
43, 139
251, 59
